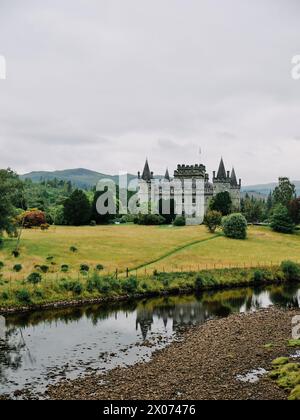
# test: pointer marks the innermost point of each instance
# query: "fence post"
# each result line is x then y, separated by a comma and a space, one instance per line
117, 274
127, 272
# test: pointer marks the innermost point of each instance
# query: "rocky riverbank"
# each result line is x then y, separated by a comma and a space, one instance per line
211, 361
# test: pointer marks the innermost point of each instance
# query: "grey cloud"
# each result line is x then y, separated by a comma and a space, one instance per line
157, 79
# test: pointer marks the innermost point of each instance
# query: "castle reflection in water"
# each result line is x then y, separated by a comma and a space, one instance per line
180, 312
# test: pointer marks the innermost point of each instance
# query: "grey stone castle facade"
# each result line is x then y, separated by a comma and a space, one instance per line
190, 188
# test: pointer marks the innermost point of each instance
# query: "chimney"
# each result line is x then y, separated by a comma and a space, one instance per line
228, 174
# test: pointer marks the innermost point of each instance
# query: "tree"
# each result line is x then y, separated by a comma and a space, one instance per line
285, 192
100, 219
77, 209
212, 220
253, 209
167, 210
11, 190
294, 210
235, 226
281, 220
222, 202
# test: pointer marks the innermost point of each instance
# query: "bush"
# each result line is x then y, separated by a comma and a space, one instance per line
44, 226
212, 220
23, 296
130, 285
281, 220
199, 283
44, 268
17, 268
1, 242
102, 285
179, 221
15, 253
64, 268
84, 268
1, 265
32, 218
73, 249
99, 267
290, 270
149, 220
5, 296
93, 223
50, 258
34, 278
72, 286
235, 226
258, 276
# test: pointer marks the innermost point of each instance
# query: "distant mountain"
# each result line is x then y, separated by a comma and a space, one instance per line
82, 178
264, 189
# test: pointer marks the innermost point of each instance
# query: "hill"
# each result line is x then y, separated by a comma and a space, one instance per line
264, 189
82, 178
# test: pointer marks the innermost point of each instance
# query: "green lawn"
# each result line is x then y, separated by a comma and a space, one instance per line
168, 249
163, 248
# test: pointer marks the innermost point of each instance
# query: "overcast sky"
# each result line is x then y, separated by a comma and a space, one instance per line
101, 84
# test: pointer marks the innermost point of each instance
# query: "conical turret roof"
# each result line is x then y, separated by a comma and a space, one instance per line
221, 171
146, 172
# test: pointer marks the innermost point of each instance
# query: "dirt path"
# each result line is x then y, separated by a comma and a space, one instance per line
204, 365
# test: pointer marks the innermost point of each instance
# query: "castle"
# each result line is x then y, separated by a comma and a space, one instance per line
190, 188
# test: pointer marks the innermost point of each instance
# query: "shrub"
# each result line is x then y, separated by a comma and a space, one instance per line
5, 296
84, 268
34, 278
130, 285
99, 267
1, 242
72, 286
102, 285
15, 253
45, 226
23, 296
212, 220
93, 223
44, 268
205, 280
73, 249
258, 276
235, 226
32, 218
179, 221
39, 294
50, 258
281, 220
199, 283
291, 270
149, 220
17, 268
64, 268
1, 265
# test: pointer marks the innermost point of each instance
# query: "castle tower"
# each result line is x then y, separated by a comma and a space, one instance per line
224, 181
144, 184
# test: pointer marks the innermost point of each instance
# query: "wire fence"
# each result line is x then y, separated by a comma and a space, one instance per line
148, 271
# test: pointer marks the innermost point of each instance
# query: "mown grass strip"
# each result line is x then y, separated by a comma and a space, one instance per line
174, 251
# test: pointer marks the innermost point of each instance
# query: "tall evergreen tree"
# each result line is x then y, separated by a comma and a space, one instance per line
77, 209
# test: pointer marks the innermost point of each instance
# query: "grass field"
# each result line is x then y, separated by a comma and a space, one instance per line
161, 248
141, 249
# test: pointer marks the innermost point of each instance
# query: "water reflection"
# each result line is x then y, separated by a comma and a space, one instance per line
41, 347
